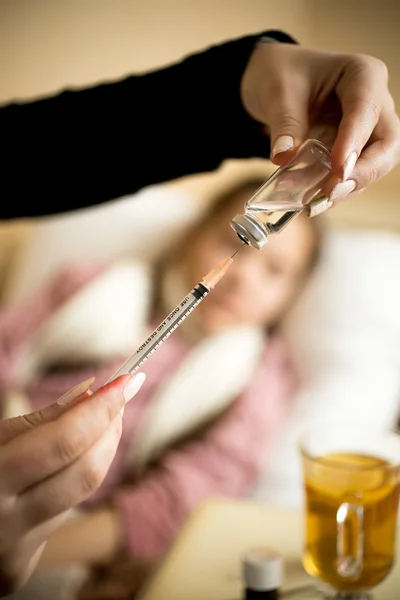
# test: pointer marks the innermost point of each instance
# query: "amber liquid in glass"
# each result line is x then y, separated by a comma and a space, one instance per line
366, 481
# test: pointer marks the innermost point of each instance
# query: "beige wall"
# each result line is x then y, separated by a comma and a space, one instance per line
46, 45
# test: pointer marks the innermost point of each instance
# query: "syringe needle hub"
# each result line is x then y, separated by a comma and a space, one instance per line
213, 276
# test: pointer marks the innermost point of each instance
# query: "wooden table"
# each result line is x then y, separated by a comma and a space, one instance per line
204, 562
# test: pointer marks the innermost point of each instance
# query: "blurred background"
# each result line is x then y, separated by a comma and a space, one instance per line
345, 333
46, 46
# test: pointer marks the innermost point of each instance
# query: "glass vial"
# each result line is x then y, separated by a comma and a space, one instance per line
295, 186
262, 572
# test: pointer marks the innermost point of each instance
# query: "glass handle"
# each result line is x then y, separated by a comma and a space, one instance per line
350, 539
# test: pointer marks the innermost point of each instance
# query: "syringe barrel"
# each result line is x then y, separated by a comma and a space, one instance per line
164, 329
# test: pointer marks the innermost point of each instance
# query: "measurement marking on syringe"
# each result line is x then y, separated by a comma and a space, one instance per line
159, 341
174, 319
169, 318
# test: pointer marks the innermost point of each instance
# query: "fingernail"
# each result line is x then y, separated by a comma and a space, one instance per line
282, 144
133, 386
342, 189
349, 165
317, 207
75, 392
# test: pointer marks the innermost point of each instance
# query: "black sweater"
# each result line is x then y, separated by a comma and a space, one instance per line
84, 147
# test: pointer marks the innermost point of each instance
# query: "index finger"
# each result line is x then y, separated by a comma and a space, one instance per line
50, 447
362, 91
11, 428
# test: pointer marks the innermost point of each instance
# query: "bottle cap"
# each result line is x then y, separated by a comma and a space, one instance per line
250, 230
262, 569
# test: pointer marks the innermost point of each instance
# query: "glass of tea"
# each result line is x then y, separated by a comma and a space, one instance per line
352, 489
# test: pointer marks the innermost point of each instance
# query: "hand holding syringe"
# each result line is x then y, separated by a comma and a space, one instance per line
175, 317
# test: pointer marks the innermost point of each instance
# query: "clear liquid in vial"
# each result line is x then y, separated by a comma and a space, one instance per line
278, 201
274, 212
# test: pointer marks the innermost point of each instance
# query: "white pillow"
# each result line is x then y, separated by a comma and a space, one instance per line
138, 226
105, 319
344, 335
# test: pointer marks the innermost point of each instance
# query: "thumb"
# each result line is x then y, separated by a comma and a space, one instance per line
288, 123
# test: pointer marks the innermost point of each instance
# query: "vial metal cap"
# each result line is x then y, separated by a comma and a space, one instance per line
262, 569
250, 230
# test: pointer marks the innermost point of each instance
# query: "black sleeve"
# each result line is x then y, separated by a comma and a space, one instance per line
84, 147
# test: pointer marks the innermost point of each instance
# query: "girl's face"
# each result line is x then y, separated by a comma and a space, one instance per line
259, 285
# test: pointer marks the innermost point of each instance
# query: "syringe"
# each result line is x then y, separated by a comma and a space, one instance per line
175, 318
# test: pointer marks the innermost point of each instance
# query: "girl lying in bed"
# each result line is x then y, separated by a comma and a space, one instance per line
216, 393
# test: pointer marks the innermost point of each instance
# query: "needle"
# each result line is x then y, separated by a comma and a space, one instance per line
240, 247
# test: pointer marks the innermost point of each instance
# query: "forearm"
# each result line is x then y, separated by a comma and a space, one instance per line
92, 538
89, 146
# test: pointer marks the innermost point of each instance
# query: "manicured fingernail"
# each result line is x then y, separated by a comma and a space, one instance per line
349, 165
341, 190
75, 392
317, 207
282, 144
133, 385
